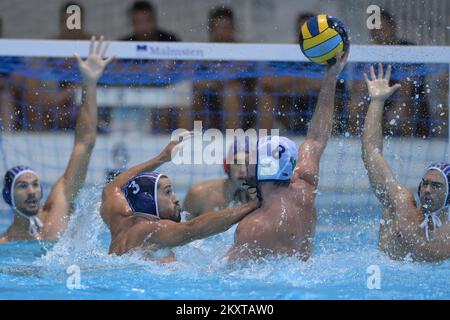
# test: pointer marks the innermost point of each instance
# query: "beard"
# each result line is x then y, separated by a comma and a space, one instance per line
176, 218
28, 213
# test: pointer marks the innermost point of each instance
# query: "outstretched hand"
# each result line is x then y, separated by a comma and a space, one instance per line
92, 68
378, 87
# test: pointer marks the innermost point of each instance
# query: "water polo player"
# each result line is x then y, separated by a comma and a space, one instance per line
22, 190
421, 231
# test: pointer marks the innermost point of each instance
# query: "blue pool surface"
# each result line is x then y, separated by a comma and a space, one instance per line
345, 246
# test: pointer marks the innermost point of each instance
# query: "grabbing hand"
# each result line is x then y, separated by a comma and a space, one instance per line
379, 87
339, 65
92, 68
251, 191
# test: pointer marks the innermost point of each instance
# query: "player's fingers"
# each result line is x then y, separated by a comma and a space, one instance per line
388, 73
91, 45
380, 71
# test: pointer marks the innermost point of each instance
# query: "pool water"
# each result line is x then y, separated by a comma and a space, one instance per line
345, 247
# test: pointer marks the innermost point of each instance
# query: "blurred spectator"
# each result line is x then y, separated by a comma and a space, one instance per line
406, 112
45, 104
291, 99
145, 24
5, 112
387, 34
143, 17
437, 93
220, 103
221, 26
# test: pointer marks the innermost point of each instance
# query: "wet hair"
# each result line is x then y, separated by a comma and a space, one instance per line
221, 12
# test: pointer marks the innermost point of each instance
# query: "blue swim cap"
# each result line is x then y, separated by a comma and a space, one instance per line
9, 180
444, 169
141, 193
276, 159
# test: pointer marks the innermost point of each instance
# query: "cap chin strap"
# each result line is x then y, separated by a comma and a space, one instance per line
437, 223
35, 223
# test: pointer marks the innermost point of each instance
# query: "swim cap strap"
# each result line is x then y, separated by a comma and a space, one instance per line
13, 203
437, 223
35, 223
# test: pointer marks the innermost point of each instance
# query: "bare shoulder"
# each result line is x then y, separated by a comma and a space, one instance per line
114, 208
156, 233
129, 234
400, 197
255, 222
200, 197
3, 239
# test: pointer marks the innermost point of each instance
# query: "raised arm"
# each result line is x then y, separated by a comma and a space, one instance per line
192, 202
67, 187
381, 177
150, 165
321, 125
171, 234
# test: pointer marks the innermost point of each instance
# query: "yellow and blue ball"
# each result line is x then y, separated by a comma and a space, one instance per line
322, 37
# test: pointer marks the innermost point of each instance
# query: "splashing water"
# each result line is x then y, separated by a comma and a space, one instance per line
345, 246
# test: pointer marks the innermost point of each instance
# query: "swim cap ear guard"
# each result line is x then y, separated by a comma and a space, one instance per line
237, 147
226, 167
9, 180
8, 195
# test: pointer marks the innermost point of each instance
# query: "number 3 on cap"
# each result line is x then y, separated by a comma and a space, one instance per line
135, 187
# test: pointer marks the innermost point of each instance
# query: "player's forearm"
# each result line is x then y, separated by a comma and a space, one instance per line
86, 127
215, 222
372, 140
322, 120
